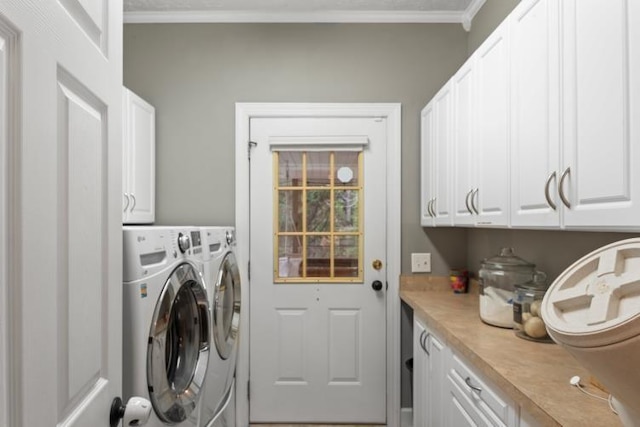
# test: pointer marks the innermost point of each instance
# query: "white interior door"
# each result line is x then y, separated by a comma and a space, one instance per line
317, 326
65, 71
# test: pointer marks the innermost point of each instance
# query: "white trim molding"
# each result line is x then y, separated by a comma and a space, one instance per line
324, 16
392, 112
471, 12
10, 329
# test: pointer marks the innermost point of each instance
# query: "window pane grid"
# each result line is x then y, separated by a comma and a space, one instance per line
309, 244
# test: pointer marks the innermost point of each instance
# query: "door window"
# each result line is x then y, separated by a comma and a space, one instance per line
318, 218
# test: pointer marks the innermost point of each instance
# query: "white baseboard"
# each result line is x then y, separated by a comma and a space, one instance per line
406, 417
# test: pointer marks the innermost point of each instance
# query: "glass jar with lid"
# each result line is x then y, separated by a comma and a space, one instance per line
527, 320
499, 276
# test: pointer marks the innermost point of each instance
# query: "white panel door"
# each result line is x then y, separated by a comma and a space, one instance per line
464, 165
601, 95
535, 125
65, 181
317, 345
491, 195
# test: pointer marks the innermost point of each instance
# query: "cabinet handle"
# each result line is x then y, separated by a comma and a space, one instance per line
428, 208
424, 343
466, 201
133, 205
126, 196
546, 190
566, 173
421, 341
471, 386
433, 207
473, 205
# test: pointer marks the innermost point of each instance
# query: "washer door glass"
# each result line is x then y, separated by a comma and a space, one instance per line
226, 306
178, 347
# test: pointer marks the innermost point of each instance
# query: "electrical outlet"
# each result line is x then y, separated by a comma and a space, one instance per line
421, 263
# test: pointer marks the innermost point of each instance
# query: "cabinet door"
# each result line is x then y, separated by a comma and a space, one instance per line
601, 106
126, 200
426, 173
442, 157
535, 125
140, 128
491, 196
419, 376
463, 138
437, 358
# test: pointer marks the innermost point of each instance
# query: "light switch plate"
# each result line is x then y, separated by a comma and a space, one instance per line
421, 263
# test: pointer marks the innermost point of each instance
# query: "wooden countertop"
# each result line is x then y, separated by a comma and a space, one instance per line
535, 375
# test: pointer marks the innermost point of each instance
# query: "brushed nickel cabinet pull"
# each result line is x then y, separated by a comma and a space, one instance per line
466, 201
546, 191
566, 173
473, 205
471, 386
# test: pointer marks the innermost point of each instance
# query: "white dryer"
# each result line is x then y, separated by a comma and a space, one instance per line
222, 278
166, 337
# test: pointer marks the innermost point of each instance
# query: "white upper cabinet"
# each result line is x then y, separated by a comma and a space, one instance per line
600, 166
139, 148
535, 120
443, 157
491, 194
463, 143
426, 172
436, 152
546, 124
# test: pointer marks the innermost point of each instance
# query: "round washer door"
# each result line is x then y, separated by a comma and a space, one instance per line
178, 346
226, 306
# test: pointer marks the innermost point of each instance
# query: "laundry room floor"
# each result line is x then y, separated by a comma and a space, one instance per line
315, 425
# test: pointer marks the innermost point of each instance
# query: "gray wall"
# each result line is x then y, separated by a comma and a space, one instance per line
487, 19
194, 74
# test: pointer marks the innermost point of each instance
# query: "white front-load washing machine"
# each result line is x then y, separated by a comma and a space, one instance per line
222, 278
166, 336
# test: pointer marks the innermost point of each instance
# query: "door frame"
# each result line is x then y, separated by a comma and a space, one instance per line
392, 113
10, 247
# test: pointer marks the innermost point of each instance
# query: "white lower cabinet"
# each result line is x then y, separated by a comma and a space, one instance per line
448, 392
429, 363
482, 402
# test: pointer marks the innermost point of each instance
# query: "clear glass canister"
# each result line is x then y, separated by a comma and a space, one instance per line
527, 320
498, 277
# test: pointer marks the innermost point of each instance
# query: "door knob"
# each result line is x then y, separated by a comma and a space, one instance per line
376, 285
136, 412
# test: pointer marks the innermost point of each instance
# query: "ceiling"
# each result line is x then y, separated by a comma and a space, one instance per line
399, 11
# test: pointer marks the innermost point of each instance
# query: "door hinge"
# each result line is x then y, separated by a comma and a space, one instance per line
387, 283
250, 145
248, 390
249, 270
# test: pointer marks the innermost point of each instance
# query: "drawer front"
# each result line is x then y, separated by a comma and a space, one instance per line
494, 404
462, 411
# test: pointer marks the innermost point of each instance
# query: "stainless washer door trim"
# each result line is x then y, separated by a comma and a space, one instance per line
178, 345
225, 328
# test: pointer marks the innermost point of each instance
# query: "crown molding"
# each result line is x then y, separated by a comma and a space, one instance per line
252, 16
470, 13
